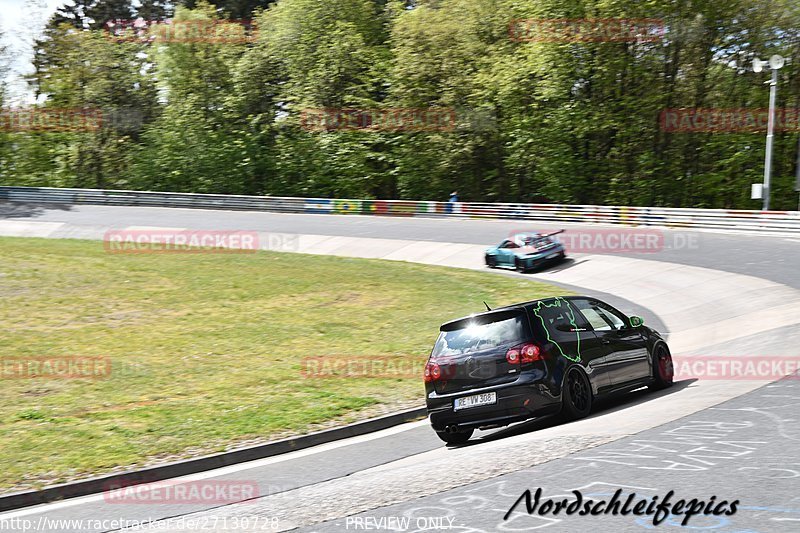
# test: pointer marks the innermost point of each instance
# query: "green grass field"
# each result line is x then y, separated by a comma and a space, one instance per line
207, 350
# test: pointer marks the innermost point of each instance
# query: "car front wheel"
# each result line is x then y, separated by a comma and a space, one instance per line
491, 262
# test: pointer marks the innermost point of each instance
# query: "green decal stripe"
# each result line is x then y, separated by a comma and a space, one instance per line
570, 313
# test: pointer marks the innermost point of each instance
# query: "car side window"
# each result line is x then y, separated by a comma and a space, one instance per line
508, 244
601, 318
595, 319
619, 320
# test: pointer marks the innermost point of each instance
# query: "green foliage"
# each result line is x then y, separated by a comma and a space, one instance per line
571, 122
234, 9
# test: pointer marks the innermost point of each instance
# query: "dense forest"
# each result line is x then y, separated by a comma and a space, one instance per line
565, 120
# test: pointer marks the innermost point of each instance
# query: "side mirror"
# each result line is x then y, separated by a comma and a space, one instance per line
636, 321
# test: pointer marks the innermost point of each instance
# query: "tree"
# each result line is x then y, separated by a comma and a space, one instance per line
193, 146
544, 120
315, 55
154, 9
83, 70
233, 9
90, 14
5, 141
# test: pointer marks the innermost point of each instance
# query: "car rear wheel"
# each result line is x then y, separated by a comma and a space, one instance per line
455, 438
576, 396
663, 371
491, 262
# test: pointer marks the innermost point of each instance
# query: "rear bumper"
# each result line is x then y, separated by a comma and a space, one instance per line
517, 401
556, 253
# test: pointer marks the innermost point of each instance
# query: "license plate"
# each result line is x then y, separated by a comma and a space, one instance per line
552, 255
466, 402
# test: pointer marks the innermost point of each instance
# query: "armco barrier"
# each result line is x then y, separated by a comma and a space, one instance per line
768, 221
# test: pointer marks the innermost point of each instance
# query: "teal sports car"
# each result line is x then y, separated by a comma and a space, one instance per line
525, 251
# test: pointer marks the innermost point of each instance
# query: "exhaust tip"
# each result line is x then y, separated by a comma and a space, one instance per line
452, 428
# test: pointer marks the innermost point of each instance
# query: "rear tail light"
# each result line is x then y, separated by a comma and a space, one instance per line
512, 355
530, 353
524, 353
432, 372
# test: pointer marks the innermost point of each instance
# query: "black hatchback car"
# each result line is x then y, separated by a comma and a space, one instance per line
537, 358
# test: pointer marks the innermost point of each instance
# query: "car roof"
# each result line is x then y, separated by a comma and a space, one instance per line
512, 307
531, 302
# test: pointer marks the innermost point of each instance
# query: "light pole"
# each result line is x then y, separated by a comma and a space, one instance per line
797, 180
776, 62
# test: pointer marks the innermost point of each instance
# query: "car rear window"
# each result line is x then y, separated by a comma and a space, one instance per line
481, 333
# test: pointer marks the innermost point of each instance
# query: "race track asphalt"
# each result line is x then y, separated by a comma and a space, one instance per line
412, 475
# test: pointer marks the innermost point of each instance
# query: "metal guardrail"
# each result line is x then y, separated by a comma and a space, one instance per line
741, 220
